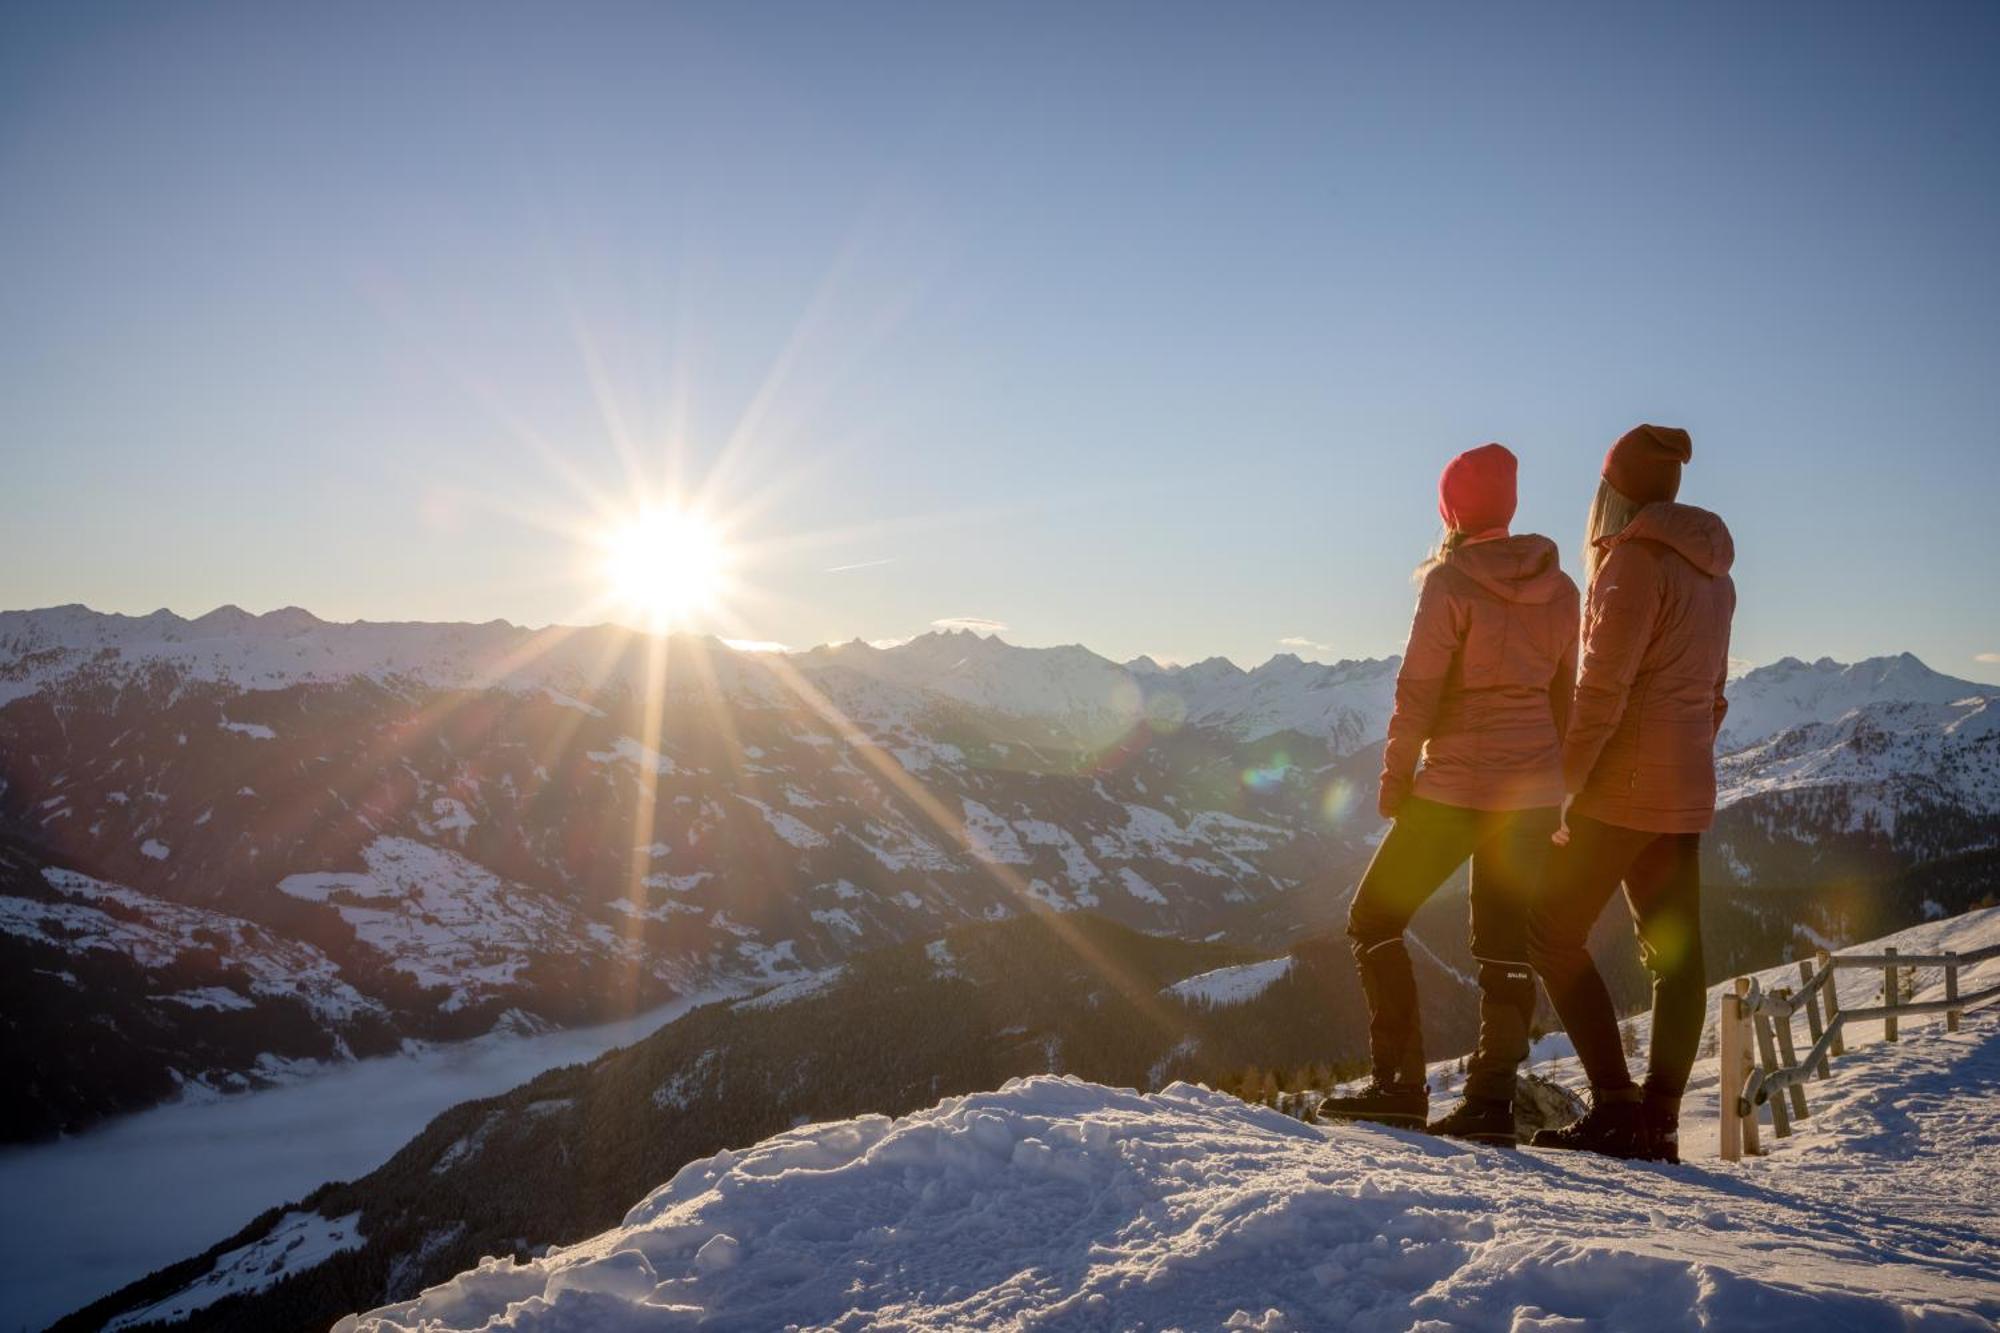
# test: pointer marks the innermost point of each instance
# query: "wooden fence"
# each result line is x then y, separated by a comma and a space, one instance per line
1760, 1063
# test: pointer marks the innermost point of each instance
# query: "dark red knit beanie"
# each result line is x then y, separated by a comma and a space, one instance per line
1645, 465
1476, 489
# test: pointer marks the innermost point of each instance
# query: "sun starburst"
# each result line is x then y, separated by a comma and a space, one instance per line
665, 566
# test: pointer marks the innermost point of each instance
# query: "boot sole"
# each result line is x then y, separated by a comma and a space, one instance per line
1389, 1118
1660, 1158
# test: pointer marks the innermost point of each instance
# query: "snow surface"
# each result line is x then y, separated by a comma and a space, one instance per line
298, 1242
789, 827
1231, 985
449, 922
1056, 1203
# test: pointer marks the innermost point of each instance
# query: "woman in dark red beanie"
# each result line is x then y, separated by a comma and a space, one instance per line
1480, 700
1639, 774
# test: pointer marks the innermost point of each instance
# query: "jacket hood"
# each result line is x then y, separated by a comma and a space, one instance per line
1515, 569
1700, 537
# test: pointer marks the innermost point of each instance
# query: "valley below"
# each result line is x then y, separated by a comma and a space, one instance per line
92, 1212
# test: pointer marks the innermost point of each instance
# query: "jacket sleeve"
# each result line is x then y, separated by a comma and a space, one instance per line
1435, 634
1562, 686
1624, 601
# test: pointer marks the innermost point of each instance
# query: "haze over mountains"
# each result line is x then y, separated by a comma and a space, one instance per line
234, 846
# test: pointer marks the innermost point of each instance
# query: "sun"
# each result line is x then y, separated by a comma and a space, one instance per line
666, 565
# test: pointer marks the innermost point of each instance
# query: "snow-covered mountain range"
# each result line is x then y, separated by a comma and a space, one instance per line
449, 827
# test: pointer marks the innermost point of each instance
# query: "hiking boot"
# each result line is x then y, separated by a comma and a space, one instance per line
1609, 1127
1479, 1120
1404, 1105
1659, 1131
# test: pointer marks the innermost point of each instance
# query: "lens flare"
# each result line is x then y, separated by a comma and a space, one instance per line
1338, 801
1166, 712
1269, 776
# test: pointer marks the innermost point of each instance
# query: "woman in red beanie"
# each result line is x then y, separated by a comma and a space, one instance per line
1639, 773
1480, 699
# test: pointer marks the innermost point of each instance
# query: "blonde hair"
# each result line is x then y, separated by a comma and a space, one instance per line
1609, 513
1452, 539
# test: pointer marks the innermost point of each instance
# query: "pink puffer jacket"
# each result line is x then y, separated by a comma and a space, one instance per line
1485, 682
1641, 746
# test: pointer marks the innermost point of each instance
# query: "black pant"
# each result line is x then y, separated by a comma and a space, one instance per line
1662, 878
1423, 847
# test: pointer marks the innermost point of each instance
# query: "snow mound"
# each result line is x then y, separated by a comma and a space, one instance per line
1055, 1203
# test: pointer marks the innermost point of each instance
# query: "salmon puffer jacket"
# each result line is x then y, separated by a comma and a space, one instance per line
1485, 682
1641, 747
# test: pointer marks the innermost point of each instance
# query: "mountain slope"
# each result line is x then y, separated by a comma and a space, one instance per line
1830, 772
111, 1000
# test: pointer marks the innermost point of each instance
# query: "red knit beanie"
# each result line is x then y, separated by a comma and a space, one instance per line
1476, 489
1645, 465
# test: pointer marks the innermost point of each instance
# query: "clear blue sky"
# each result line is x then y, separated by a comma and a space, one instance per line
1146, 327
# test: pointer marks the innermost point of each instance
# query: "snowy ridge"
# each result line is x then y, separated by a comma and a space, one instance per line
1347, 702
893, 691
1231, 985
1054, 1202
1790, 693
890, 689
293, 646
1934, 751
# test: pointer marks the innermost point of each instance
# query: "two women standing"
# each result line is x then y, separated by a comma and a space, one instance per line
1556, 785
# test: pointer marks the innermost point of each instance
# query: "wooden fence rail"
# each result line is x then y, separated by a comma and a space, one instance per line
1761, 1066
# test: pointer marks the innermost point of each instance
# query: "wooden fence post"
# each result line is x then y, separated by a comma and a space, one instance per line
1813, 1026
1746, 1060
1729, 1036
1767, 1047
1889, 999
1951, 990
1791, 1057
1825, 960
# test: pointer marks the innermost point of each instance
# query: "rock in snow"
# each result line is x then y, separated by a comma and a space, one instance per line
1055, 1203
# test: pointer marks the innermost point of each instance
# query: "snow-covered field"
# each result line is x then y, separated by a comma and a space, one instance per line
298, 1242
449, 922
1054, 1203
86, 1215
